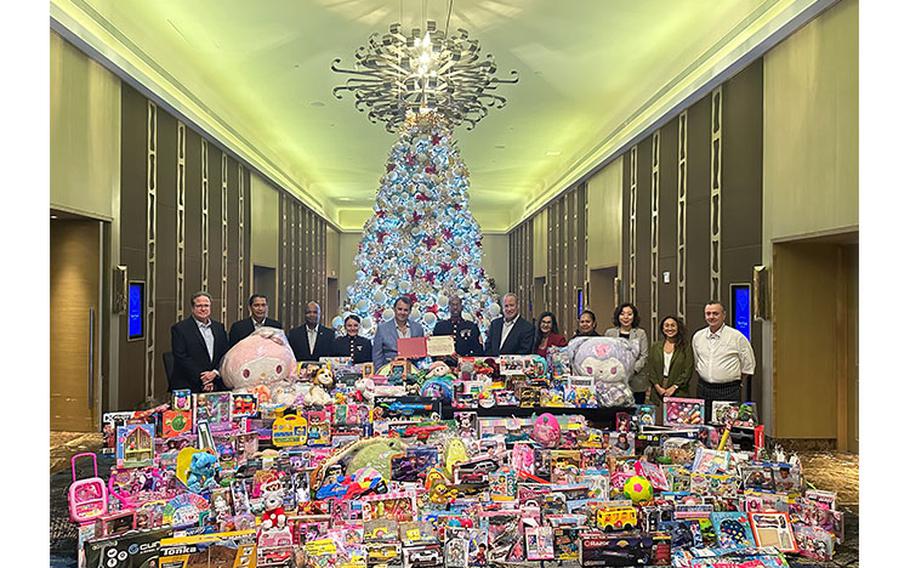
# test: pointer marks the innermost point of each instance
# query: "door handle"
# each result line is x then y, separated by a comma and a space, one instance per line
91, 356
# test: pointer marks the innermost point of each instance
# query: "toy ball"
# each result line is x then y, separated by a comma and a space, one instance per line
638, 489
546, 430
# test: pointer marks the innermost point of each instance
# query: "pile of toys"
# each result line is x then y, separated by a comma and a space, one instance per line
333, 465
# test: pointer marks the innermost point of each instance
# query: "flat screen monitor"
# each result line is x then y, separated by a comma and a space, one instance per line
741, 300
136, 310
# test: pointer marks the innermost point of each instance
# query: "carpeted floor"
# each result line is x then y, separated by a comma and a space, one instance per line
831, 471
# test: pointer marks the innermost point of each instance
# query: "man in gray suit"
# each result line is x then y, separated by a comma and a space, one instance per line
385, 344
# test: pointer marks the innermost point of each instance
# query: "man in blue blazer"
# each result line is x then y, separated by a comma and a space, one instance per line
511, 334
385, 344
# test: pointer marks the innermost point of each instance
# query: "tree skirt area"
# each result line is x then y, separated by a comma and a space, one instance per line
831, 471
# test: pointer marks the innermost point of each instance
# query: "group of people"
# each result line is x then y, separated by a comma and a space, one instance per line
719, 355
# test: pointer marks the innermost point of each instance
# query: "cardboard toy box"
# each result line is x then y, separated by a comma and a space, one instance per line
218, 550
620, 549
133, 550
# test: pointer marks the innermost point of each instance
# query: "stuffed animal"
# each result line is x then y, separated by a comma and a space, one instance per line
546, 430
316, 396
609, 361
262, 358
274, 516
201, 475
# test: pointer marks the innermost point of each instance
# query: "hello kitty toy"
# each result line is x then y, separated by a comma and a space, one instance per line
87, 497
262, 358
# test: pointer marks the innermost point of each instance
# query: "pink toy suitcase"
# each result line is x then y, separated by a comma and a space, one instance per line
87, 497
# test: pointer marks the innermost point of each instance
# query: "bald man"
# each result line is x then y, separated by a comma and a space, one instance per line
311, 340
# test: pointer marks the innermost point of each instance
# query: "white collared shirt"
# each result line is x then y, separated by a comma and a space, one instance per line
257, 324
723, 356
311, 337
403, 334
206, 330
506, 328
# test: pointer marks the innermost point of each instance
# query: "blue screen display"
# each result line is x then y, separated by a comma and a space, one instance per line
742, 317
580, 301
136, 310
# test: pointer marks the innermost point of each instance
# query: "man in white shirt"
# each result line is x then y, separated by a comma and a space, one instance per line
198, 343
312, 340
723, 357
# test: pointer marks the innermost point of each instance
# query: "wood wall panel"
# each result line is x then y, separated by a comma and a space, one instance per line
198, 158
698, 232
666, 239
193, 212
643, 235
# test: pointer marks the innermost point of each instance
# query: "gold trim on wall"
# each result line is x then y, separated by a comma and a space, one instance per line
181, 216
205, 215
716, 161
151, 248
224, 236
241, 188
682, 149
655, 225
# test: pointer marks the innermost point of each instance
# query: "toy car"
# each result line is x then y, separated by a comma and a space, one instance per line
425, 558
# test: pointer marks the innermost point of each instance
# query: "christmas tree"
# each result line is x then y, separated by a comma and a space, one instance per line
422, 240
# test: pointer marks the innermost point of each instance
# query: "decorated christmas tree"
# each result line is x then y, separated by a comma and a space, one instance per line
422, 240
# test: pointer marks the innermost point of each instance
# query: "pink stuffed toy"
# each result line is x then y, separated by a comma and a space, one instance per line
546, 430
262, 358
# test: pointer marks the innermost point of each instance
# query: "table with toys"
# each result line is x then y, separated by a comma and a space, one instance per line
335, 465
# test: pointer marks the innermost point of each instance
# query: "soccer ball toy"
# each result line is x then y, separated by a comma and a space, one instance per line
638, 489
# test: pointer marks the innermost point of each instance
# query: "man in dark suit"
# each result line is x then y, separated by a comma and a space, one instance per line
198, 344
511, 334
312, 340
259, 312
467, 334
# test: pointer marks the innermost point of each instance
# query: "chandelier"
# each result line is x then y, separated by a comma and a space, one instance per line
397, 76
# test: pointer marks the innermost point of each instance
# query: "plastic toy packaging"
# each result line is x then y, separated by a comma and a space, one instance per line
684, 411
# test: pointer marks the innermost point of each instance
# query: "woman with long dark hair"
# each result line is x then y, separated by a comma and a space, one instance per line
670, 362
548, 334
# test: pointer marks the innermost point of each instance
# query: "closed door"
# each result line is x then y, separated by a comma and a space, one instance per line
74, 333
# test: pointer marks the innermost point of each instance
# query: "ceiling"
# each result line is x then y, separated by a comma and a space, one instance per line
593, 75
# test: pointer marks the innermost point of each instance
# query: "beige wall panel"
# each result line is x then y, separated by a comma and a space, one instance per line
495, 260
811, 126
604, 221
332, 253
264, 222
805, 292
85, 132
539, 227
811, 147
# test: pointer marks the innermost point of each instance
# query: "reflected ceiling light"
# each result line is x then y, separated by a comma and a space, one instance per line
396, 76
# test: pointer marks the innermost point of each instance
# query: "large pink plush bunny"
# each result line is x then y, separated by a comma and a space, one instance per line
262, 358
